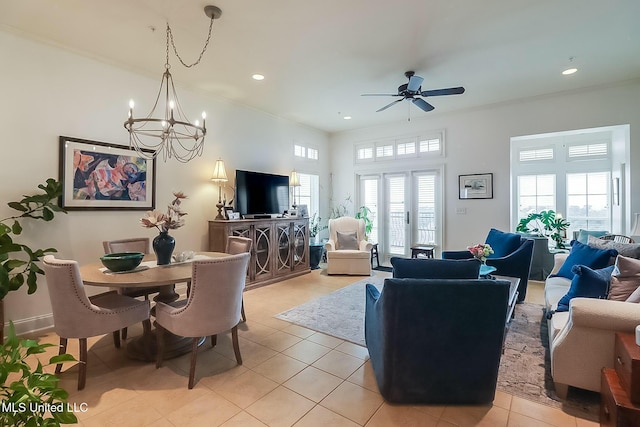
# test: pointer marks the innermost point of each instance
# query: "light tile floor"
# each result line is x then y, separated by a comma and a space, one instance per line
290, 376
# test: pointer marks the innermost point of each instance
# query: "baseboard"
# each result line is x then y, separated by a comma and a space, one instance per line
31, 324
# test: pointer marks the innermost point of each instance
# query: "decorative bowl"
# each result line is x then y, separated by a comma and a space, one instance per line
122, 261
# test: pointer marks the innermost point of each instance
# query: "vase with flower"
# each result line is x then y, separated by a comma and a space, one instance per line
481, 251
163, 243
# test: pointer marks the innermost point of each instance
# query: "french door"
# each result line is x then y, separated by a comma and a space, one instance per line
405, 207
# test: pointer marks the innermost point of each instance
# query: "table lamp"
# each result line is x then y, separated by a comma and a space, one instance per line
294, 181
219, 176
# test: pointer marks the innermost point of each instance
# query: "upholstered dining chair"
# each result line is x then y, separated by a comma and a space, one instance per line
237, 245
136, 244
212, 307
77, 316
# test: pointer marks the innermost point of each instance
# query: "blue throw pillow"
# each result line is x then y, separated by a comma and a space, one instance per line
586, 283
585, 255
583, 235
502, 243
433, 268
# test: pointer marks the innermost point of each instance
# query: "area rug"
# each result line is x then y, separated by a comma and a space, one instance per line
524, 367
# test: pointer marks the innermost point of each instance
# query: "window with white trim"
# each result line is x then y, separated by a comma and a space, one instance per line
407, 146
364, 153
308, 193
384, 151
299, 151
312, 154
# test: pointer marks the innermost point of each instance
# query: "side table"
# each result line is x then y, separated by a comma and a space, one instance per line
619, 390
422, 249
374, 254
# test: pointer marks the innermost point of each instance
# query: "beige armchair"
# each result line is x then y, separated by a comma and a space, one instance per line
347, 250
213, 306
77, 316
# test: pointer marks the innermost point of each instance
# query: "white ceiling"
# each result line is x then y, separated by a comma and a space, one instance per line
320, 56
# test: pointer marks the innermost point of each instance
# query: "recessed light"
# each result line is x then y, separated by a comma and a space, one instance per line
347, 117
257, 77
569, 71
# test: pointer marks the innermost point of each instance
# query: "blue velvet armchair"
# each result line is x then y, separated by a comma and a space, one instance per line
436, 341
512, 257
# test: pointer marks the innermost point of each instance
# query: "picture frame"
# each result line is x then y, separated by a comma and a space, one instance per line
228, 211
475, 186
303, 211
99, 175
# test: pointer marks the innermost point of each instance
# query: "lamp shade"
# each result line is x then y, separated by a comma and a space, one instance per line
294, 180
219, 174
635, 230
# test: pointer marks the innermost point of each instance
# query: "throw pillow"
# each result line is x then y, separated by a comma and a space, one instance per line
347, 240
583, 235
502, 243
432, 268
625, 279
586, 283
584, 255
631, 250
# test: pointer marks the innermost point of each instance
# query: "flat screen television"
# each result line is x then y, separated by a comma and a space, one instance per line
261, 193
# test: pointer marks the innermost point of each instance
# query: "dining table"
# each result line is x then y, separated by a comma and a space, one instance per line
148, 273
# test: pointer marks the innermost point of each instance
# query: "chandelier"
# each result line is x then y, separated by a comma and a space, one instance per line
168, 132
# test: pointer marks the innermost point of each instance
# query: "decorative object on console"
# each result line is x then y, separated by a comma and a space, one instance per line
97, 175
294, 181
163, 244
219, 176
475, 186
481, 251
172, 134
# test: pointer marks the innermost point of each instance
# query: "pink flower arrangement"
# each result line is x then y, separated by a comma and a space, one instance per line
480, 251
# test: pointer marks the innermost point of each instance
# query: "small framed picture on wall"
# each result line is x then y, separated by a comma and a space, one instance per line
475, 186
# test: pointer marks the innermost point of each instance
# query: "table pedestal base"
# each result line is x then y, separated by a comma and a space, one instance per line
145, 347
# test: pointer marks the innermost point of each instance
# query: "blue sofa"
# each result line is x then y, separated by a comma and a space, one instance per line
512, 257
436, 341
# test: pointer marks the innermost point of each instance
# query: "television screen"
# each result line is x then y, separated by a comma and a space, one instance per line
261, 193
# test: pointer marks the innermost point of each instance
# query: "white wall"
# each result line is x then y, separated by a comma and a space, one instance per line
477, 141
47, 92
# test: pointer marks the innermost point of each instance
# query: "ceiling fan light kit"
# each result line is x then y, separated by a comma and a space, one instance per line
169, 131
412, 91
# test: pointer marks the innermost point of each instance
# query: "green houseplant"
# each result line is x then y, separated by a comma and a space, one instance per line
547, 224
363, 213
315, 226
18, 261
31, 397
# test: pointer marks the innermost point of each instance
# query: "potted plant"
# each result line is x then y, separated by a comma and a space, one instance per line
546, 224
18, 261
31, 397
315, 248
363, 213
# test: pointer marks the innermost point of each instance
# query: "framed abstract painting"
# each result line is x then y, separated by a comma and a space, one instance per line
96, 175
476, 186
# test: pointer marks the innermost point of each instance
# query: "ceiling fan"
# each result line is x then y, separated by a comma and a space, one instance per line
412, 91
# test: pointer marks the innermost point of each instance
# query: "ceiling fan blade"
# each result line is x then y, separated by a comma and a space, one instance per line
380, 94
422, 104
389, 105
440, 92
414, 83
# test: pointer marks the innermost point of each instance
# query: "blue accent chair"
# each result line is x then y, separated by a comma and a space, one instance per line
512, 257
436, 341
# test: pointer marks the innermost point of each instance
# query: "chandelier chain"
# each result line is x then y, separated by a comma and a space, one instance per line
175, 50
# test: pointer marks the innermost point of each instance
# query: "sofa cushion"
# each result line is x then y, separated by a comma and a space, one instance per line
625, 280
631, 250
347, 240
583, 235
555, 288
433, 268
502, 243
585, 255
586, 283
